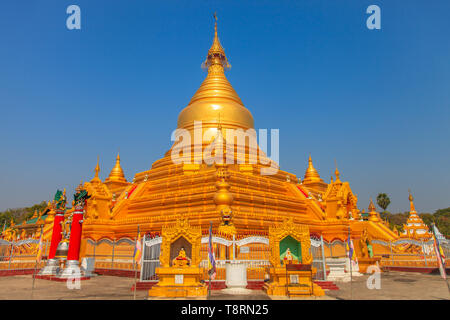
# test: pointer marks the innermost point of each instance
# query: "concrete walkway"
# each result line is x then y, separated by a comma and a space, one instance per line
394, 285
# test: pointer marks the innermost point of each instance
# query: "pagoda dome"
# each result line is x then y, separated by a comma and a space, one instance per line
116, 172
311, 174
216, 98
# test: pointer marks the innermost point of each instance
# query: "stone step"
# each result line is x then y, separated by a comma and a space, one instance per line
327, 285
299, 291
144, 285
255, 285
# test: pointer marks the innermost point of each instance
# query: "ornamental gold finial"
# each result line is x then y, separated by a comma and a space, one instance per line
371, 206
336, 172
411, 202
216, 60
97, 167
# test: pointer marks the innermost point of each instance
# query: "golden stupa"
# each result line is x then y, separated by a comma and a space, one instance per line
235, 195
415, 228
245, 196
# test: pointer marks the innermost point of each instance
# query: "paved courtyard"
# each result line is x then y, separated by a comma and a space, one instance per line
394, 285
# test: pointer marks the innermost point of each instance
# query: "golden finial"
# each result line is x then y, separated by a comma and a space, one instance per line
412, 208
97, 167
410, 195
216, 54
336, 172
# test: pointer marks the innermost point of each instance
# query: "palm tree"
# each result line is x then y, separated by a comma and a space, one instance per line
383, 201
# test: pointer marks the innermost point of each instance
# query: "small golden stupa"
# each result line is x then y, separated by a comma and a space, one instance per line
415, 228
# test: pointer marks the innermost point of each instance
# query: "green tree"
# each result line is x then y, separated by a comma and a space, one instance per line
442, 220
383, 201
19, 214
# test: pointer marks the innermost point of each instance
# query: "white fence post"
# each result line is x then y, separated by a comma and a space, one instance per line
323, 259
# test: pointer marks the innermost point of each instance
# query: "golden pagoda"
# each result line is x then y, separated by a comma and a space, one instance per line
236, 196
116, 181
415, 228
312, 179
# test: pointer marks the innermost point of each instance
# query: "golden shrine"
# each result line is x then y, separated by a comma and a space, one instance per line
180, 272
290, 246
414, 227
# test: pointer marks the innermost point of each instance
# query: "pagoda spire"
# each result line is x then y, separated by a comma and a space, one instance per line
311, 173
216, 95
216, 84
116, 173
411, 203
373, 215
96, 170
371, 206
216, 54
336, 172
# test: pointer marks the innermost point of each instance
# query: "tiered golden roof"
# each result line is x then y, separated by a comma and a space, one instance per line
415, 227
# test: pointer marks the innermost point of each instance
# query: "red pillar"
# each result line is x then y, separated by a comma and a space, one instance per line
56, 233
75, 235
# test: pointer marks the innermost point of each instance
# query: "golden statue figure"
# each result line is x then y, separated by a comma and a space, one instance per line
288, 258
365, 244
181, 260
10, 234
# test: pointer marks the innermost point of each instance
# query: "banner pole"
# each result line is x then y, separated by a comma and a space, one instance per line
440, 261
209, 273
135, 265
350, 260
36, 263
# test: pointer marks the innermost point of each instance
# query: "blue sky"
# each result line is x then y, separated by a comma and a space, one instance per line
377, 101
